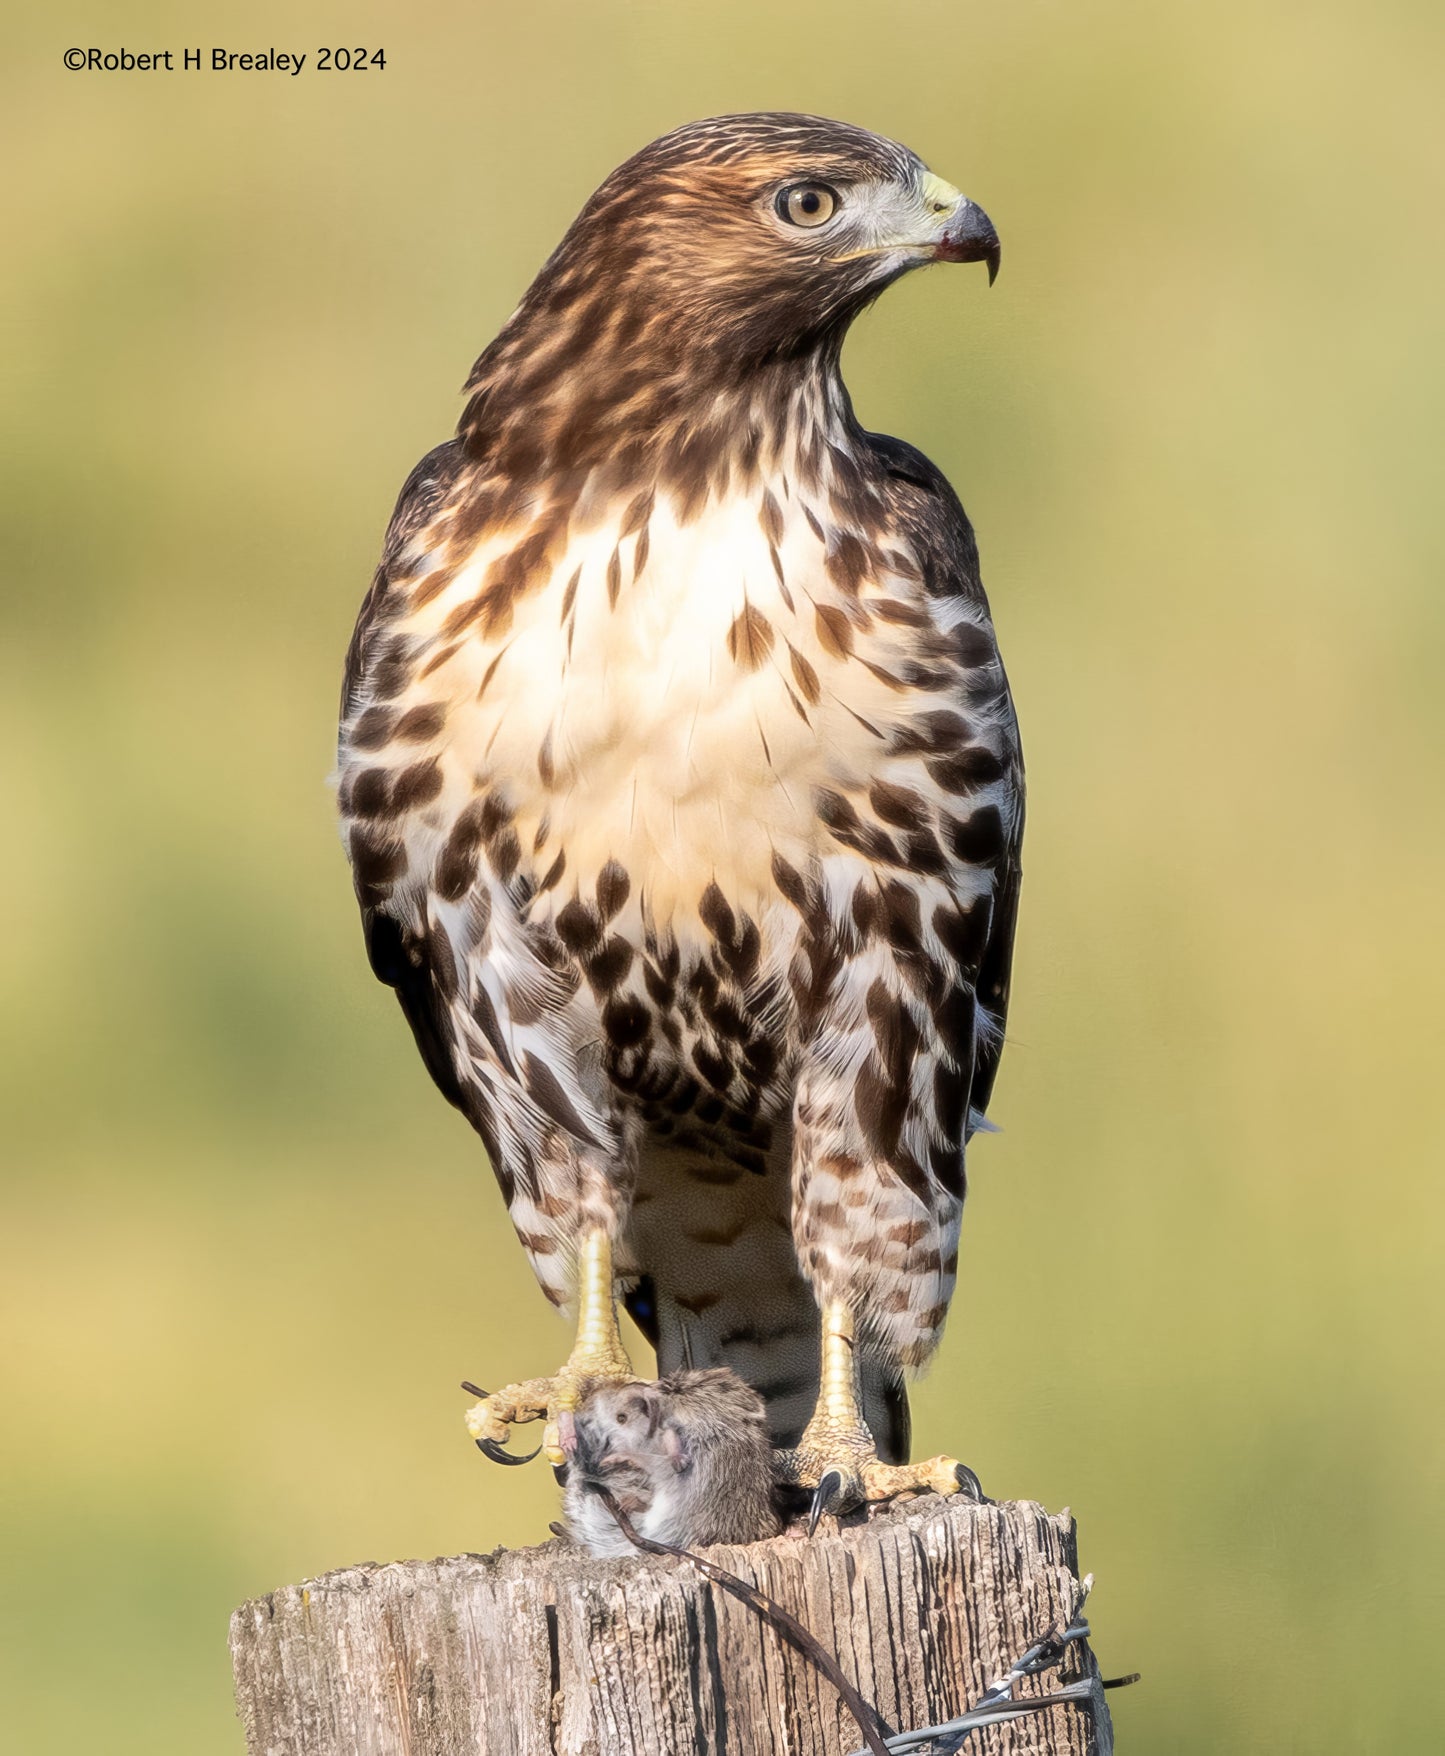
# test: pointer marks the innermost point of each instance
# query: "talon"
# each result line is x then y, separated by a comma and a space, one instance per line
929, 1475
969, 1485
831, 1484
597, 1355
490, 1448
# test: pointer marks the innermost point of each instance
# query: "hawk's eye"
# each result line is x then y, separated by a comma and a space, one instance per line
807, 204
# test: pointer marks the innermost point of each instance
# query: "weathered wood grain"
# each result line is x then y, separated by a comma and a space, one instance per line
546, 1652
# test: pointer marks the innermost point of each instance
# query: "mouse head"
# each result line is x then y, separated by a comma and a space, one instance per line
687, 1459
626, 1427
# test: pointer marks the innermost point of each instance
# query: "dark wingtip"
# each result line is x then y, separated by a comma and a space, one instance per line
993, 259
490, 1448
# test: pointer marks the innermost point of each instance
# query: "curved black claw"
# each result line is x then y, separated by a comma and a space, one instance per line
830, 1486
969, 1485
490, 1448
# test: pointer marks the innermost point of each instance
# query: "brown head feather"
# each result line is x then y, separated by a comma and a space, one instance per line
676, 290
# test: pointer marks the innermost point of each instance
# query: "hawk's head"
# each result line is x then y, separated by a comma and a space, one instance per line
758, 231
728, 246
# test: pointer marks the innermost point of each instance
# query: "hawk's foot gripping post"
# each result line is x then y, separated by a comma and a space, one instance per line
836, 1456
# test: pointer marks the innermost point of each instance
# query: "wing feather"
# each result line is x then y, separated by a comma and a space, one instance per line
930, 515
423, 492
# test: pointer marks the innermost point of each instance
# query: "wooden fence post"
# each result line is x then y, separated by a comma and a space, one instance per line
546, 1652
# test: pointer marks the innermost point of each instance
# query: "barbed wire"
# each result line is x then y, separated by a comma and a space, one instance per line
998, 1703
995, 1705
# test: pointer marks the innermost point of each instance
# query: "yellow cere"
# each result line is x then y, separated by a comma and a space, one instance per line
939, 196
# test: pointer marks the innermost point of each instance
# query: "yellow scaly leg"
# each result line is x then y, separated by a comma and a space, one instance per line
836, 1456
597, 1353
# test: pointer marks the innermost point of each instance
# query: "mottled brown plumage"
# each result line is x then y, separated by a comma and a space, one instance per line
679, 773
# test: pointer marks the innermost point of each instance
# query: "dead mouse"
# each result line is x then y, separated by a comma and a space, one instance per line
687, 1458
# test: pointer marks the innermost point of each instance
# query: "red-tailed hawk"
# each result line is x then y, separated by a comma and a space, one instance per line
683, 792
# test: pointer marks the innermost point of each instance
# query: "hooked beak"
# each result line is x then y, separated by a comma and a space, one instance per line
970, 237
967, 233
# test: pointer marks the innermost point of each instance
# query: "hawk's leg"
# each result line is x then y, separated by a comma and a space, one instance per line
597, 1353
836, 1456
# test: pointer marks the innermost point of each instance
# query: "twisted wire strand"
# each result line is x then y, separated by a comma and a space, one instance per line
997, 1703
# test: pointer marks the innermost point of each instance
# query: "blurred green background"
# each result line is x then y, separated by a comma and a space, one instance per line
247, 1250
